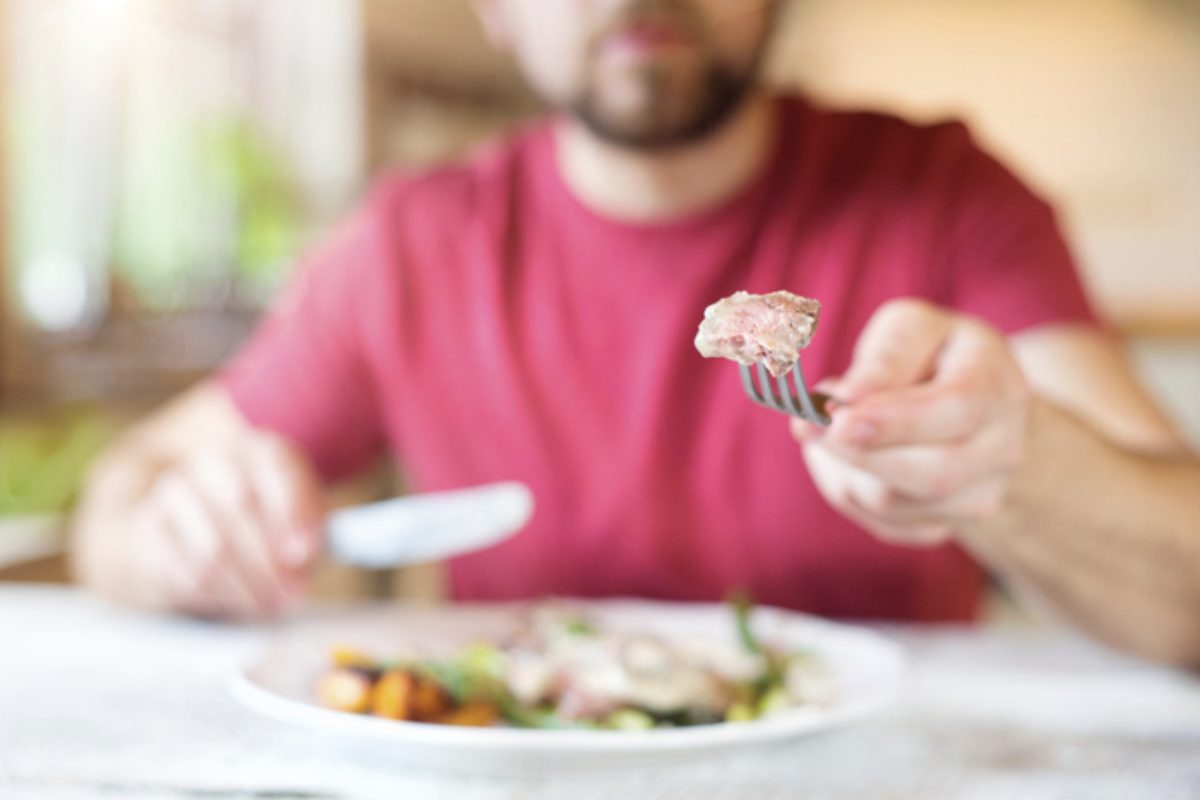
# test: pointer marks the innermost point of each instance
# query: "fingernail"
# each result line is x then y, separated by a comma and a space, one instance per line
858, 431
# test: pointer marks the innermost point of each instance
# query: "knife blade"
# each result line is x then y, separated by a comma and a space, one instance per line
428, 527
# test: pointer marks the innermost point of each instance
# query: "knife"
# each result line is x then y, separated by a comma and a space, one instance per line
428, 527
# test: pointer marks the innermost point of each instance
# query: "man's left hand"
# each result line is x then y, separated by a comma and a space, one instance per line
929, 428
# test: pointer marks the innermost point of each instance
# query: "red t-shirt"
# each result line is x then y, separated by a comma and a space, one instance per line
482, 324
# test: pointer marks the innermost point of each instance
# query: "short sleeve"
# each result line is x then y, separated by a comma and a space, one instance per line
304, 373
1009, 261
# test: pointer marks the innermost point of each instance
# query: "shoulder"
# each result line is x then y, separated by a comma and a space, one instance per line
414, 230
931, 164
871, 148
869, 131
449, 193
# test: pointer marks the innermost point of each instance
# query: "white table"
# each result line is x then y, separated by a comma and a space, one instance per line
101, 703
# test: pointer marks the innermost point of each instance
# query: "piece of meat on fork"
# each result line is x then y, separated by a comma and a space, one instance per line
766, 331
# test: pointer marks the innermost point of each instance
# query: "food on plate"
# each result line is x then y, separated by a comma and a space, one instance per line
561, 670
347, 689
770, 329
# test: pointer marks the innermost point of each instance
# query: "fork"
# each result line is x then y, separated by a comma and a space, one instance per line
798, 402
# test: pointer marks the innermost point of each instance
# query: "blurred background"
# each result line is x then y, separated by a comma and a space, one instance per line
165, 161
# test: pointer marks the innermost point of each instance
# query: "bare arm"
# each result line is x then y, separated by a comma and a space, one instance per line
1103, 526
1106, 537
1057, 471
195, 511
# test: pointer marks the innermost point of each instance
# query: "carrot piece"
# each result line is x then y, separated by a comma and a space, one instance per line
393, 695
472, 714
429, 700
344, 690
343, 656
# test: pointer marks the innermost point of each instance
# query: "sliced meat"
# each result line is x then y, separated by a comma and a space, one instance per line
751, 328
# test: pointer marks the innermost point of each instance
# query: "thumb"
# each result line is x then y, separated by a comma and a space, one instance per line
898, 347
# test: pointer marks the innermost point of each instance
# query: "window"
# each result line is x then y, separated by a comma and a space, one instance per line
166, 163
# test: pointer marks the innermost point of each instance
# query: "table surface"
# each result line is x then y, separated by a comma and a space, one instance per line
97, 702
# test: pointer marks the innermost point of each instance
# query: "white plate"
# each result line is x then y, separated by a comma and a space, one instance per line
866, 667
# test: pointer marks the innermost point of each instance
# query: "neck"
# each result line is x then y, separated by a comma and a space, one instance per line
642, 186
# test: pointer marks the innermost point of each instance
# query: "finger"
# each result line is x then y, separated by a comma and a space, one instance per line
190, 541
931, 471
291, 500
972, 345
918, 471
898, 347
871, 503
803, 431
827, 472
231, 501
929, 413
185, 521
189, 522
919, 533
889, 492
866, 501
911, 534
979, 501
174, 581
185, 582
235, 596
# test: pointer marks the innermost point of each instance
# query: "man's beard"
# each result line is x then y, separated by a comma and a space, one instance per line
719, 94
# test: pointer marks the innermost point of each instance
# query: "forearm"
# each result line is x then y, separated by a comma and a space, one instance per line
1106, 538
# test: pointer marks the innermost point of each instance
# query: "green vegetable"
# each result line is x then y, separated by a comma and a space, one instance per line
741, 712
42, 461
578, 626
478, 675
458, 683
742, 605
774, 699
544, 717
483, 659
775, 663
629, 719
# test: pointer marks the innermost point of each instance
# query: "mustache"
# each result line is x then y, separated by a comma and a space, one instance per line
680, 13
677, 13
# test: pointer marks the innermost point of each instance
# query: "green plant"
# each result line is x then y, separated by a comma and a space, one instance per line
42, 461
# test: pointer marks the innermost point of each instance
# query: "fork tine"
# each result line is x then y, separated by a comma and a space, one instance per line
752, 389
779, 396
764, 378
809, 400
748, 385
789, 397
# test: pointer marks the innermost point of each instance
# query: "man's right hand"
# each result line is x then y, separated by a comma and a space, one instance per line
229, 532
196, 511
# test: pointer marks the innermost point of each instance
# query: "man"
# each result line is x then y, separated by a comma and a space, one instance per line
529, 314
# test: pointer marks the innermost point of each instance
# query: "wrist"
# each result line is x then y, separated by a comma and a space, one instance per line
1034, 472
